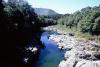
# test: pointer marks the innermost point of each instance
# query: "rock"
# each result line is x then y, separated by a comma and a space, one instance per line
71, 34
71, 62
62, 64
26, 60
63, 41
98, 62
60, 47
67, 54
97, 55
85, 63
80, 63
79, 51
34, 50
93, 43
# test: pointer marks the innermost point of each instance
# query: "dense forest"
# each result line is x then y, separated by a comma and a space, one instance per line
87, 20
18, 26
47, 20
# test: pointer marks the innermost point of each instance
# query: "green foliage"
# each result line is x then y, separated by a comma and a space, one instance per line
49, 20
96, 27
86, 20
18, 25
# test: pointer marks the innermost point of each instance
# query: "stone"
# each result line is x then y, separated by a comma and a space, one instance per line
71, 62
79, 52
34, 49
85, 63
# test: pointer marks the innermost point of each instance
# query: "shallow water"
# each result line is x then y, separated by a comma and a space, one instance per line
51, 55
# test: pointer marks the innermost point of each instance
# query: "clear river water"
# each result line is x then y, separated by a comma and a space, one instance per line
50, 56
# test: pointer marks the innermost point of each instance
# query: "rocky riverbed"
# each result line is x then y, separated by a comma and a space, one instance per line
78, 51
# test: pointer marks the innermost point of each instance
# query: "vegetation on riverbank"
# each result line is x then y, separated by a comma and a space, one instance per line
76, 50
19, 34
77, 33
84, 23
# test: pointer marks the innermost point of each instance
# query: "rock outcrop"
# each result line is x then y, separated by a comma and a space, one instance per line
78, 51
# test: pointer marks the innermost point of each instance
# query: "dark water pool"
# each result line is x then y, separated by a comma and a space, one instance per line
50, 56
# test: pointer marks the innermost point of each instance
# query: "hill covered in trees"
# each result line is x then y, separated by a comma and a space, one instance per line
87, 20
47, 20
47, 16
44, 11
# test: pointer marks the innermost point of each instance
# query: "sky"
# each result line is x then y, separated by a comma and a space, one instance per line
63, 6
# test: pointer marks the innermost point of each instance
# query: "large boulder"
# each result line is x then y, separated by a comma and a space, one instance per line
71, 62
85, 63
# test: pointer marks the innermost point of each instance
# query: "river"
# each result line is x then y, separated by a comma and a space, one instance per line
50, 56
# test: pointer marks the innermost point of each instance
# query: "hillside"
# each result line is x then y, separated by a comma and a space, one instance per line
44, 11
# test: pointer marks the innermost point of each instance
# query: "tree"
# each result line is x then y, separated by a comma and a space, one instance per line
18, 25
96, 27
85, 20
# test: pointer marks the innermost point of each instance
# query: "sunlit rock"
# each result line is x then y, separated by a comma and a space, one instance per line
85, 63
34, 49
26, 60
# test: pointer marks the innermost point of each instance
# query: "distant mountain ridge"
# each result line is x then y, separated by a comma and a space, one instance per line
45, 11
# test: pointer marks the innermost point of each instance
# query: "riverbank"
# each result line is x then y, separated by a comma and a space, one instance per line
79, 52
62, 29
